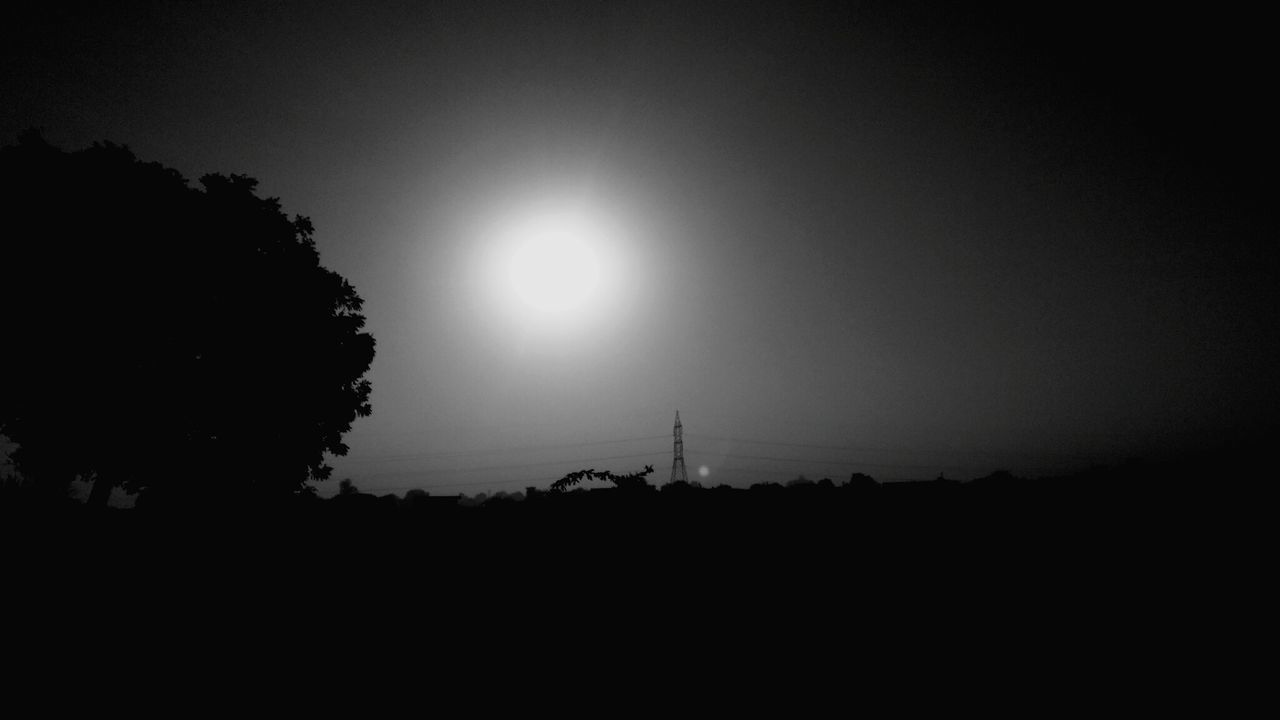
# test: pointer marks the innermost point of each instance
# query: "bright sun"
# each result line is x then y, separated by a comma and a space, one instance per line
554, 271
554, 268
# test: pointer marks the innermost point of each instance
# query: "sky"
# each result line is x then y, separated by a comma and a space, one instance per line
895, 238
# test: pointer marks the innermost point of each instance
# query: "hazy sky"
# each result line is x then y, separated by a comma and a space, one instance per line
901, 238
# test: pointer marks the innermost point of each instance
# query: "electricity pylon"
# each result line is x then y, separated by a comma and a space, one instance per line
678, 473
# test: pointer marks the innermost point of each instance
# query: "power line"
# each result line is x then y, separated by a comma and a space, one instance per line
913, 451
447, 454
517, 466
587, 461
730, 472
482, 452
464, 483
468, 483
424, 473
857, 463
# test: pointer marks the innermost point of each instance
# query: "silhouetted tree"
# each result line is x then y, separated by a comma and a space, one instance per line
861, 480
174, 340
634, 481
416, 498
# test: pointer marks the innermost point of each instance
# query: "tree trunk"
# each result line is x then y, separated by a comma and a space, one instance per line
101, 492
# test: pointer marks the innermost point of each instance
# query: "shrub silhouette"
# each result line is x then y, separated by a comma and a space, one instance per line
183, 342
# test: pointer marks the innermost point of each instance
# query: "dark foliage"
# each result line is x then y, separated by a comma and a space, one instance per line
861, 480
634, 481
182, 342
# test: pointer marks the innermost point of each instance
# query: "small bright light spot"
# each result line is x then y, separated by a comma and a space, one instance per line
703, 471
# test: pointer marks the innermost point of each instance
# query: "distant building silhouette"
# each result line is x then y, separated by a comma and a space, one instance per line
678, 473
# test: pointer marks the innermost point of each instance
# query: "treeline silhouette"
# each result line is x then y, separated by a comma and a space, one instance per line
1001, 497
627, 507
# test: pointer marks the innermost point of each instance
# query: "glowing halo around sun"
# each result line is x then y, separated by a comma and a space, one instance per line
555, 270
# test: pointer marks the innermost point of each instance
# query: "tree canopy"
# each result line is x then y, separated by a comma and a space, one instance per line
175, 340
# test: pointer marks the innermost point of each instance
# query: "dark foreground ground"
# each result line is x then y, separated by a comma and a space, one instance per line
1121, 589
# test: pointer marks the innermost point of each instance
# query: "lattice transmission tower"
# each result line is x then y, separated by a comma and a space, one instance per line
678, 473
